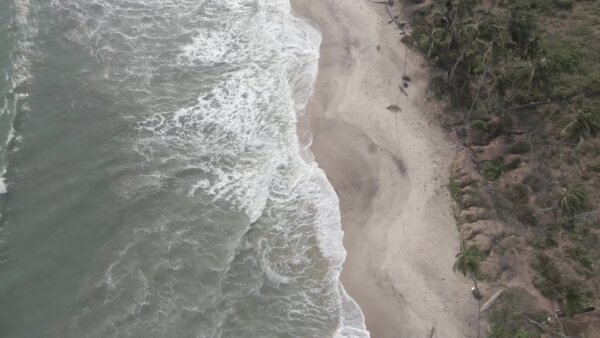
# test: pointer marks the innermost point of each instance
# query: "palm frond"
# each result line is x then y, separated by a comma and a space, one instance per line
573, 300
573, 200
582, 126
468, 260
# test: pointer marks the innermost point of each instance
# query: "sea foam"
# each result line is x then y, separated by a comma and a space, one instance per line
15, 76
222, 85
3, 189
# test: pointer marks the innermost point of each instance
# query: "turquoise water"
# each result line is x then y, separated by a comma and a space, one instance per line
155, 185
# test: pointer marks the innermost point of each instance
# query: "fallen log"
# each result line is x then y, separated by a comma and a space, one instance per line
491, 301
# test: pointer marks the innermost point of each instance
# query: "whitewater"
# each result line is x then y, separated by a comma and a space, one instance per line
156, 186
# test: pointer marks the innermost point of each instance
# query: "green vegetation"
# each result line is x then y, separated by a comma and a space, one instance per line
574, 300
455, 191
548, 278
492, 170
509, 318
480, 125
553, 285
572, 201
501, 56
531, 67
468, 261
546, 240
582, 256
583, 125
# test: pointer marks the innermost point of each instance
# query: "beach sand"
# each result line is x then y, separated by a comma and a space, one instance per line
390, 170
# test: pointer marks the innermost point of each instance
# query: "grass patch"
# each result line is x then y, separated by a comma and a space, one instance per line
583, 256
455, 191
570, 293
508, 318
492, 170
480, 125
546, 240
548, 278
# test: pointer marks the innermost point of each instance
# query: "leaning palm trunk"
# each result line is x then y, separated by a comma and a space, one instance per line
467, 262
476, 291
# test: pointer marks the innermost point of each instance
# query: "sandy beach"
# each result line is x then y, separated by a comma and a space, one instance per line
390, 171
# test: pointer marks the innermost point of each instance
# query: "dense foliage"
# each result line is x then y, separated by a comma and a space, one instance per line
533, 65
498, 56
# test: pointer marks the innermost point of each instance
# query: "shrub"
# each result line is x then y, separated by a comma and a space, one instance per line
492, 170
565, 87
508, 319
582, 256
573, 298
523, 334
546, 240
591, 83
572, 201
564, 4
543, 6
561, 57
583, 125
548, 278
480, 125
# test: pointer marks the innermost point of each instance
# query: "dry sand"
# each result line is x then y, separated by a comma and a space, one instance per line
390, 171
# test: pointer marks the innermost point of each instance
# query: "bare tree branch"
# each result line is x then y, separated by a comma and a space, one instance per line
534, 103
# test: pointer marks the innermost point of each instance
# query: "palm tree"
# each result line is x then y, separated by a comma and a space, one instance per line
460, 9
467, 262
572, 201
583, 125
573, 299
452, 19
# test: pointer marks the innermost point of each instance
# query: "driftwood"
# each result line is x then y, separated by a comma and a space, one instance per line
536, 324
545, 328
535, 103
488, 305
545, 210
584, 310
587, 214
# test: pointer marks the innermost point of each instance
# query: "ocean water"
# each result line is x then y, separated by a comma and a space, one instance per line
7, 93
153, 183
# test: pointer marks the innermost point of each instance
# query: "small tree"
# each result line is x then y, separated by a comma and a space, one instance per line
583, 125
468, 261
573, 298
572, 201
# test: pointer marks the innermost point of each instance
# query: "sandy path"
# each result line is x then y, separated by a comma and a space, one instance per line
389, 170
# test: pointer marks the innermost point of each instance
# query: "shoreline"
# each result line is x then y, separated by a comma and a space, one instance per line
389, 170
